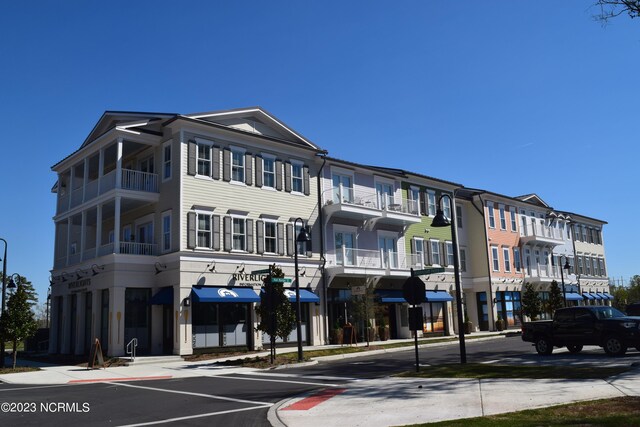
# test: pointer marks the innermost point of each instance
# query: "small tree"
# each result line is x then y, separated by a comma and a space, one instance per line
620, 297
531, 304
277, 316
18, 322
556, 298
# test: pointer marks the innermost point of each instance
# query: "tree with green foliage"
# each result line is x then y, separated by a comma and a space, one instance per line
620, 297
18, 323
633, 290
530, 302
556, 298
277, 314
363, 309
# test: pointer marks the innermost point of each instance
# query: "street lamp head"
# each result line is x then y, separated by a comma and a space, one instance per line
12, 284
304, 235
566, 265
440, 220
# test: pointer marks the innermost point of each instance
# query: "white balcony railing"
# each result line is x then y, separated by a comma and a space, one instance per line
370, 199
374, 259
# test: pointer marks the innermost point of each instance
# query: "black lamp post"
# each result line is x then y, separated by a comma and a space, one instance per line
303, 236
441, 221
4, 297
566, 266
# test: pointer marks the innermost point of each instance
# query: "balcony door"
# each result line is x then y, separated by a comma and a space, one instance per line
384, 193
387, 246
345, 245
342, 188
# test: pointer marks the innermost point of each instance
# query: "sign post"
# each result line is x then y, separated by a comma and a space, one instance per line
413, 291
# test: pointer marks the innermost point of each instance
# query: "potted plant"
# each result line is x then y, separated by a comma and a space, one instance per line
383, 330
500, 323
468, 325
336, 334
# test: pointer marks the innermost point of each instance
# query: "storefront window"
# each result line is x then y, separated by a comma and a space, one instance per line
508, 306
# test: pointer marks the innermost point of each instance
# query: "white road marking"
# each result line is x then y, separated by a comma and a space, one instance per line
35, 387
189, 393
278, 381
190, 417
308, 377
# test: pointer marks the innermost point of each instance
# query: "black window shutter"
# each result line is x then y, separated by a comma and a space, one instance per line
287, 177
191, 230
290, 240
227, 233
216, 232
305, 174
260, 236
226, 165
280, 231
192, 166
215, 171
279, 175
249, 229
258, 171
423, 203
308, 244
248, 169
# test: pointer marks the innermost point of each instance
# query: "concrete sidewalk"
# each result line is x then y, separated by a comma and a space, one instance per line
395, 401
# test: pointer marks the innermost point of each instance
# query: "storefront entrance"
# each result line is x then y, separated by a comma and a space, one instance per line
137, 318
220, 325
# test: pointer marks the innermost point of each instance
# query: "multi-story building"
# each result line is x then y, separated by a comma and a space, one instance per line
160, 220
376, 223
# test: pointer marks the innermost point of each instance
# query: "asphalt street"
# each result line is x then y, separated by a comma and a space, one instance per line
244, 399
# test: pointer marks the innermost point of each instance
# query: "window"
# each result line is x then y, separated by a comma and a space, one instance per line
204, 159
268, 172
527, 260
503, 218
594, 261
238, 234
270, 237
523, 218
296, 178
435, 252
496, 260
576, 232
492, 219
580, 269
449, 247
237, 165
384, 192
203, 230
459, 216
418, 251
516, 259
166, 161
512, 212
463, 260
587, 262
507, 260
446, 207
601, 263
431, 201
584, 233
166, 231
414, 200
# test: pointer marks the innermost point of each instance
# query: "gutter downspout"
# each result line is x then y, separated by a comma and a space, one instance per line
323, 257
486, 239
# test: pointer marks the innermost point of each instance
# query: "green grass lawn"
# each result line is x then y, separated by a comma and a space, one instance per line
18, 369
618, 412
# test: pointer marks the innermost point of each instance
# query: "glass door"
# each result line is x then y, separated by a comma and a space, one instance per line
389, 255
342, 189
346, 240
385, 195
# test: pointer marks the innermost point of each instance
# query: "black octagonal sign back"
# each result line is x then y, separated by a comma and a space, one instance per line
413, 290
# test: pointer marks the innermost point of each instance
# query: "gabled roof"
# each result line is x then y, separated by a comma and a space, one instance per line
534, 199
254, 120
111, 119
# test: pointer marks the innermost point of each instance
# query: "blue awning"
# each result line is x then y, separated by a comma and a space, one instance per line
607, 295
305, 295
203, 294
390, 296
572, 296
596, 295
438, 296
587, 295
163, 297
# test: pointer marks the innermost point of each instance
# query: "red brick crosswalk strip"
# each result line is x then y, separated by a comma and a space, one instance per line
312, 401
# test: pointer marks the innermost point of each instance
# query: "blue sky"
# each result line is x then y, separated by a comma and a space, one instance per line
514, 97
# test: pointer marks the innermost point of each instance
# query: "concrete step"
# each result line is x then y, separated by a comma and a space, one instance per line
151, 360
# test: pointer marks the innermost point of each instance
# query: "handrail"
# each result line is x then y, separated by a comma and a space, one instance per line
131, 348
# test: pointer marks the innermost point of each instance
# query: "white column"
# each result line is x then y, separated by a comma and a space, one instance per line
98, 229
119, 164
116, 227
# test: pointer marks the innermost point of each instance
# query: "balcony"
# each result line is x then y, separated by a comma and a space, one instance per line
131, 180
368, 206
349, 261
540, 234
126, 248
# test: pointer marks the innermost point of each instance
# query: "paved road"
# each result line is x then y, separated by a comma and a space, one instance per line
244, 399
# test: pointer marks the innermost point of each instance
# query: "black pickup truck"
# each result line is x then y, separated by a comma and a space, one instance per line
575, 327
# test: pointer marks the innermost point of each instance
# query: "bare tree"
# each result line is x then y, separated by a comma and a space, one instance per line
613, 8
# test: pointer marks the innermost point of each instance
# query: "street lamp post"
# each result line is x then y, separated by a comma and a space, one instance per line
566, 266
303, 236
441, 221
4, 295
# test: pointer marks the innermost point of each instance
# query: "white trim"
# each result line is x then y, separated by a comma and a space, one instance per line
506, 258
301, 165
437, 242
502, 216
272, 158
495, 258
165, 214
169, 144
234, 149
491, 214
429, 204
266, 221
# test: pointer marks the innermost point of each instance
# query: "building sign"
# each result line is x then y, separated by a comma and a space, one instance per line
79, 285
246, 279
227, 293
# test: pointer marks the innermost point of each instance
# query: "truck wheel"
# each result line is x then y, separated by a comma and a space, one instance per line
544, 346
574, 348
614, 346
